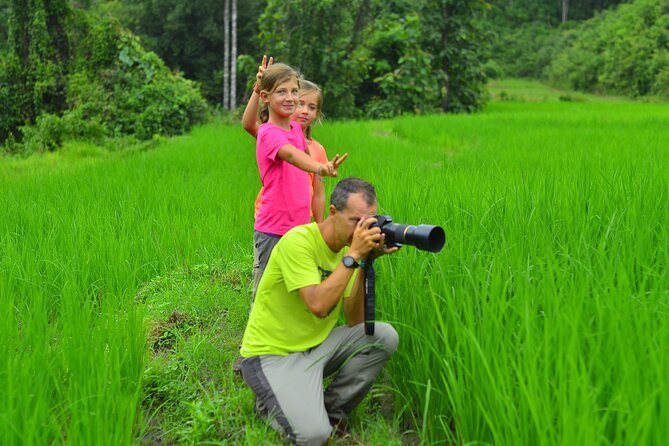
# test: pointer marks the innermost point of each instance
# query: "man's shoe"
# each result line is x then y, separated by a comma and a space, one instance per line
237, 366
339, 427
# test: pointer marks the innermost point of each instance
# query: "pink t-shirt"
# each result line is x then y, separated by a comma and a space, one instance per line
317, 152
286, 199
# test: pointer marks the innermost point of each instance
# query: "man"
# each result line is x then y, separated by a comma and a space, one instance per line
291, 344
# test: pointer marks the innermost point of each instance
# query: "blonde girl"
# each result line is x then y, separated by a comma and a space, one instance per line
283, 164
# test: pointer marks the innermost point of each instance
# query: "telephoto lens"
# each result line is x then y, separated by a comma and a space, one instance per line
424, 237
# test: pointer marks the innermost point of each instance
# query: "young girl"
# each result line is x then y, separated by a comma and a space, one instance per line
283, 163
308, 110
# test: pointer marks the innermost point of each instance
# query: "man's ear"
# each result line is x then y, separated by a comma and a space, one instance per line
333, 210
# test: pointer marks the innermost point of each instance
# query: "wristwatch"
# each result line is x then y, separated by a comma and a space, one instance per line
349, 262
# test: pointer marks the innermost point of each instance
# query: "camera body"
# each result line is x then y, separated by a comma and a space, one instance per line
424, 237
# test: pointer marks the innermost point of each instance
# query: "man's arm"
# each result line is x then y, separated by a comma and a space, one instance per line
322, 298
354, 306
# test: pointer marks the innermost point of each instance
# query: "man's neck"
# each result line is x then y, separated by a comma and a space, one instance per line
328, 232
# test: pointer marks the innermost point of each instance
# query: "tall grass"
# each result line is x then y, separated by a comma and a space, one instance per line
75, 248
545, 318
543, 321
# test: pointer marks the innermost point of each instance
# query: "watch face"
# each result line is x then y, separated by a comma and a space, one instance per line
350, 262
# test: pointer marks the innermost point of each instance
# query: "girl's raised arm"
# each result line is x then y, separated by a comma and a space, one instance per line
250, 116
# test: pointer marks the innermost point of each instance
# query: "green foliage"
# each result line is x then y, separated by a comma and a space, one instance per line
524, 51
387, 59
188, 35
463, 41
623, 51
4, 19
98, 83
8, 116
39, 56
528, 34
316, 37
411, 87
138, 94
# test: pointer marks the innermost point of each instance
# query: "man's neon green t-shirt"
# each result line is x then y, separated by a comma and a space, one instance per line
280, 322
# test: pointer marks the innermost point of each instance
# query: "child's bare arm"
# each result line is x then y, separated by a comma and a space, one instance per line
318, 200
250, 117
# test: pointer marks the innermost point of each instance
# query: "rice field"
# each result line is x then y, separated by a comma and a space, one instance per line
543, 321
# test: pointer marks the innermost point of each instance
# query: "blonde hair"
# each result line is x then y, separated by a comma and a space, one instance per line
274, 75
307, 87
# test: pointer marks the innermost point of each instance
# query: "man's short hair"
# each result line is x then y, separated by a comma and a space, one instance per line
352, 185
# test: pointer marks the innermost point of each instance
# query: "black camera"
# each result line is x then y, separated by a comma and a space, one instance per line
425, 237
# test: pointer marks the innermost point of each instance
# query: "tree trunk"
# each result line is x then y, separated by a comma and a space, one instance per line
226, 55
565, 10
444, 46
233, 59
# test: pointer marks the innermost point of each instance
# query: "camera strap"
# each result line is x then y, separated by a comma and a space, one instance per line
370, 295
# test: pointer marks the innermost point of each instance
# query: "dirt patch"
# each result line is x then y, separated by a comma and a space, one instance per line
163, 334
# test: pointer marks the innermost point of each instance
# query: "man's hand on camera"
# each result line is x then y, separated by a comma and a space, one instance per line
368, 240
381, 249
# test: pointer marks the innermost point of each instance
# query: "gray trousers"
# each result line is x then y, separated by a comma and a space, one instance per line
263, 244
289, 389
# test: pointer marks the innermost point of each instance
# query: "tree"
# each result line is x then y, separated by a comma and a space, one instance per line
457, 38
565, 10
230, 54
39, 54
101, 84
4, 20
189, 37
388, 58
233, 56
226, 54
317, 37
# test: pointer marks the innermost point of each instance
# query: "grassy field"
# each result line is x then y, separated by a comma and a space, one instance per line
124, 281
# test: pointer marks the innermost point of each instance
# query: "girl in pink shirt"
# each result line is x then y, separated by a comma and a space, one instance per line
283, 163
308, 110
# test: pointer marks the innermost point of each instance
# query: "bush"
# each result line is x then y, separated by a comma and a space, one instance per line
623, 51
114, 89
524, 51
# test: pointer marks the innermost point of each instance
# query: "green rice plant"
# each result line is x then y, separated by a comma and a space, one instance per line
543, 320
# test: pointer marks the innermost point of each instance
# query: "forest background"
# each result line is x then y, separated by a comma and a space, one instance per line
117, 72
112, 326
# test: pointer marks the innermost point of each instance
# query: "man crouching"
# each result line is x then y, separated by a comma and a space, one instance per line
291, 343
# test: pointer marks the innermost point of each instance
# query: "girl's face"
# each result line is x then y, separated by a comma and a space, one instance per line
307, 109
283, 100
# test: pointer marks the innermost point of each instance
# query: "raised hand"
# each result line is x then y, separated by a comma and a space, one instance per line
338, 160
261, 70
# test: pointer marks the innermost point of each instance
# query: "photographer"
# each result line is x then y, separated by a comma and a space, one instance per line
291, 344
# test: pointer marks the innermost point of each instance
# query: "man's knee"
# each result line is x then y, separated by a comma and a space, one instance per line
387, 336
315, 434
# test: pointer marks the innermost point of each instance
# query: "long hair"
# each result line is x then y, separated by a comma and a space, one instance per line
274, 75
307, 87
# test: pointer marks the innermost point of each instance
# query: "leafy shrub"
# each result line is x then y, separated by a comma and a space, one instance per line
8, 120
622, 51
114, 89
524, 50
409, 88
